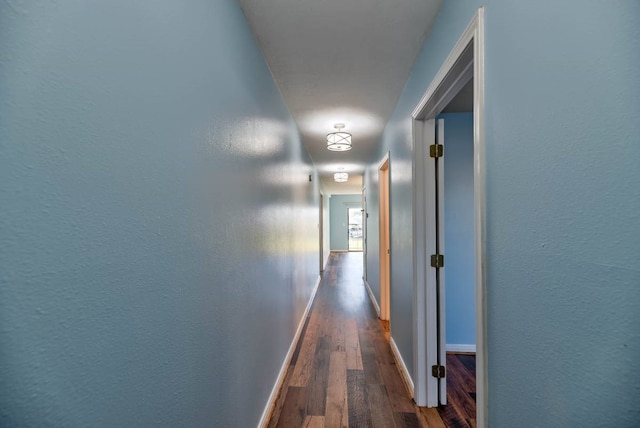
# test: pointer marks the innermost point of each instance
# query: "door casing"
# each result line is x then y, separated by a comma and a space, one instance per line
385, 242
465, 62
321, 232
365, 215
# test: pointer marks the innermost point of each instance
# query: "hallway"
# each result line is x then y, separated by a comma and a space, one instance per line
343, 373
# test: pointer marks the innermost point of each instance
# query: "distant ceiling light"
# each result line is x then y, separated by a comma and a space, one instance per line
340, 177
339, 141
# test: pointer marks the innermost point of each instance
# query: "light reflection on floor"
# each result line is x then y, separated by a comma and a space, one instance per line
352, 292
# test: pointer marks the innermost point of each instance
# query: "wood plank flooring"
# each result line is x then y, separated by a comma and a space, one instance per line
343, 373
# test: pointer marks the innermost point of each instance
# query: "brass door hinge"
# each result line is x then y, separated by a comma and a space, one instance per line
438, 372
436, 150
437, 260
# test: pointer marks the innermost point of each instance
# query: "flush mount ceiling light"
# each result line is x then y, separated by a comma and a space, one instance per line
340, 177
339, 141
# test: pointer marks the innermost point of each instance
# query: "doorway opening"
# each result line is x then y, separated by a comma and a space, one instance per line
355, 229
463, 65
385, 244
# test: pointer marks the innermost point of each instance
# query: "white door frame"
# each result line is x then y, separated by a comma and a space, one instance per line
385, 241
364, 232
321, 232
465, 62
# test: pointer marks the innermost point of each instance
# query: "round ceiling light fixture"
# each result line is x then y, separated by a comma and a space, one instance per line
339, 141
340, 177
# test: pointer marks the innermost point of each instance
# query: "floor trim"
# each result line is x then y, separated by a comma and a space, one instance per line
372, 297
402, 368
273, 397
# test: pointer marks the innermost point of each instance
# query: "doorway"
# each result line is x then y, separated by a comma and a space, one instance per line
385, 244
464, 64
354, 229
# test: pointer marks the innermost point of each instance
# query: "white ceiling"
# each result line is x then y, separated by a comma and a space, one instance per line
341, 61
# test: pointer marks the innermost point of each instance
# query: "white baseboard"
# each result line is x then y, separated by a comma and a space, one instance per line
372, 297
406, 377
471, 349
273, 397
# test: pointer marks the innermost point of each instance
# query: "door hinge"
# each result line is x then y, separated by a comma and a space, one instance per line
438, 371
437, 260
436, 150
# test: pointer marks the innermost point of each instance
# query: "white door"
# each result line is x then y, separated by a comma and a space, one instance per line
435, 278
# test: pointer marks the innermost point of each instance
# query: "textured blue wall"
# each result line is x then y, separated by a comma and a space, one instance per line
459, 229
339, 219
563, 207
158, 231
397, 136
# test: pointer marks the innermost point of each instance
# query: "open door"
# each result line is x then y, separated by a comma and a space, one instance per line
429, 265
435, 220
355, 233
321, 233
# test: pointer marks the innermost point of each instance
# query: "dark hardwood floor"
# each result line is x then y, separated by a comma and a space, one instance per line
343, 373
